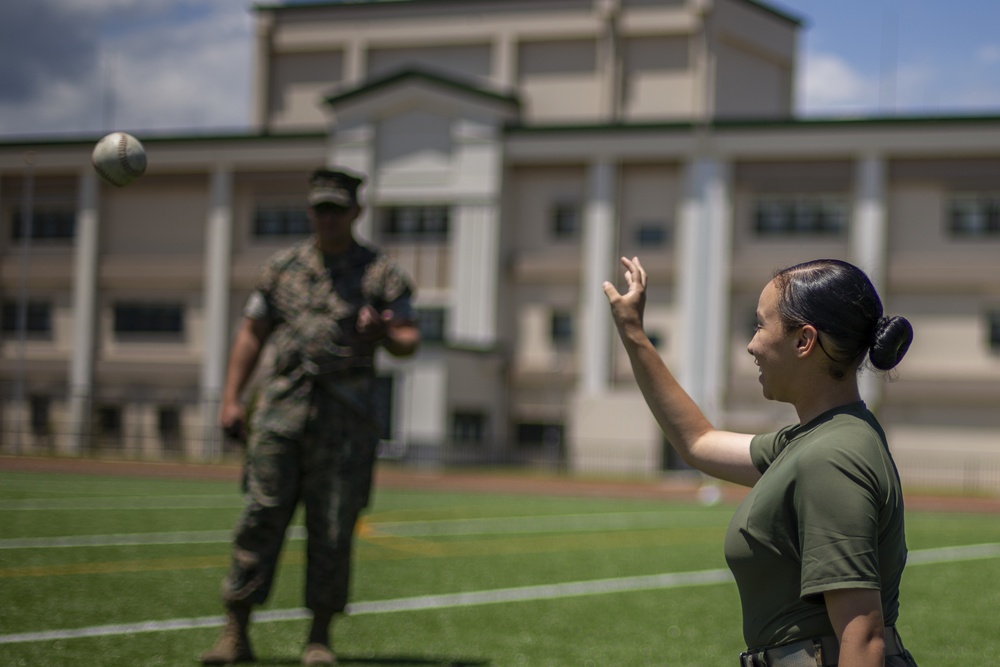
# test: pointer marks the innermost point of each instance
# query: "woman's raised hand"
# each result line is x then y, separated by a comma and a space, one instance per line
627, 309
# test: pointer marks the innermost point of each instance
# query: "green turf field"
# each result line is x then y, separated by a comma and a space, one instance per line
125, 571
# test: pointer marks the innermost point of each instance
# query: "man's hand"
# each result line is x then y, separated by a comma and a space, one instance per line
232, 418
372, 325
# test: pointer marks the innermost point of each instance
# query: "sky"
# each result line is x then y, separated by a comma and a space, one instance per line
80, 67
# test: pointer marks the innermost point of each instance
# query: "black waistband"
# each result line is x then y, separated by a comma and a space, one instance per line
823, 651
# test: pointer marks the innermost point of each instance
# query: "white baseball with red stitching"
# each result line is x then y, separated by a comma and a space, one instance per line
119, 158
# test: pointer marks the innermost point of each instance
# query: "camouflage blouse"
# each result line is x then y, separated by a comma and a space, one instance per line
313, 302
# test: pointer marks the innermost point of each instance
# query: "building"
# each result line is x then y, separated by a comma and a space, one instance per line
516, 149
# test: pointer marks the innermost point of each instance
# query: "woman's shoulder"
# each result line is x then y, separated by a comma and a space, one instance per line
848, 439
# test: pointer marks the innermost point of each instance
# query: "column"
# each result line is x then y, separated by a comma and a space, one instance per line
609, 58
262, 70
599, 264
475, 266
81, 372
218, 254
704, 256
504, 63
355, 62
869, 237
353, 148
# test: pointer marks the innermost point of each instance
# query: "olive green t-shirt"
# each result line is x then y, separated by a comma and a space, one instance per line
826, 514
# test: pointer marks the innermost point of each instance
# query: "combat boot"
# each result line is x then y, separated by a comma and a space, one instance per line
233, 645
318, 655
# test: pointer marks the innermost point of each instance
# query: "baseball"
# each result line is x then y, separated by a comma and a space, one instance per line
119, 158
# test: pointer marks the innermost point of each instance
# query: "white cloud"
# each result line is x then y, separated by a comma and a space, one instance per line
198, 76
828, 84
172, 64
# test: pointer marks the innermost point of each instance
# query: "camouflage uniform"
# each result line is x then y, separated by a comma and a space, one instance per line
312, 433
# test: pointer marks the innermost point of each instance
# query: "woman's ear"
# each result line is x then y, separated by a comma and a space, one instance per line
806, 340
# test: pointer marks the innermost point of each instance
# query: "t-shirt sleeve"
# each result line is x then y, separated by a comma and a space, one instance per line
837, 507
765, 448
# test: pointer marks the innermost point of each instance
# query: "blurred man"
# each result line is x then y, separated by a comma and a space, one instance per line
325, 304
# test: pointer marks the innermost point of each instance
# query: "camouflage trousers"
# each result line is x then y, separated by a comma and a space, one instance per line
329, 470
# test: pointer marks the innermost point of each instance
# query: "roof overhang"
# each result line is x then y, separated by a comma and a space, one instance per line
412, 88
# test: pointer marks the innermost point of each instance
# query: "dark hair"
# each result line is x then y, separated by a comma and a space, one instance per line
839, 300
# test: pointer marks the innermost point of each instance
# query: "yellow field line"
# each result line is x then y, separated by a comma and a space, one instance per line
515, 545
116, 567
389, 546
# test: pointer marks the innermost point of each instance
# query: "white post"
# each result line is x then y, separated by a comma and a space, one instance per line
609, 58
704, 252
475, 266
355, 62
264, 29
81, 373
504, 64
717, 330
218, 245
869, 243
599, 249
353, 148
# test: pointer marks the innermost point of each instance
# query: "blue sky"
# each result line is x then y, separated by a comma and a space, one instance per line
897, 56
84, 66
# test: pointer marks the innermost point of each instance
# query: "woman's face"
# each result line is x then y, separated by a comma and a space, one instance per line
773, 348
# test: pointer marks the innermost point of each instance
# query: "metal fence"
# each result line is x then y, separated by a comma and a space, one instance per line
178, 432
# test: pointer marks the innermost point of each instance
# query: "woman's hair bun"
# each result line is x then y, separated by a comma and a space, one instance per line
892, 339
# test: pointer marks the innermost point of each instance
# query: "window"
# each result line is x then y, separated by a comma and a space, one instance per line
431, 323
109, 421
540, 435
40, 415
48, 222
38, 317
652, 235
169, 426
670, 459
415, 224
974, 216
566, 221
561, 328
148, 318
281, 220
468, 427
656, 338
993, 327
801, 215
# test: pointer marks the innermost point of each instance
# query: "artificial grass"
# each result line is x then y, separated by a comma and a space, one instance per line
433, 543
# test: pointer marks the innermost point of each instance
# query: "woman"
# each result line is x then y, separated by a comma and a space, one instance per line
817, 547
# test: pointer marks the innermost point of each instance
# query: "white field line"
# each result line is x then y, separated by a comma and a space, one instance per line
133, 539
434, 528
424, 602
229, 500
502, 595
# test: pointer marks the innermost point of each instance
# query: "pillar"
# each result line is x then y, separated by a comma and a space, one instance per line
475, 263
869, 238
599, 264
218, 255
81, 374
704, 255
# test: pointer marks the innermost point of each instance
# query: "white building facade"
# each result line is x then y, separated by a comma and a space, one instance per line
515, 150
